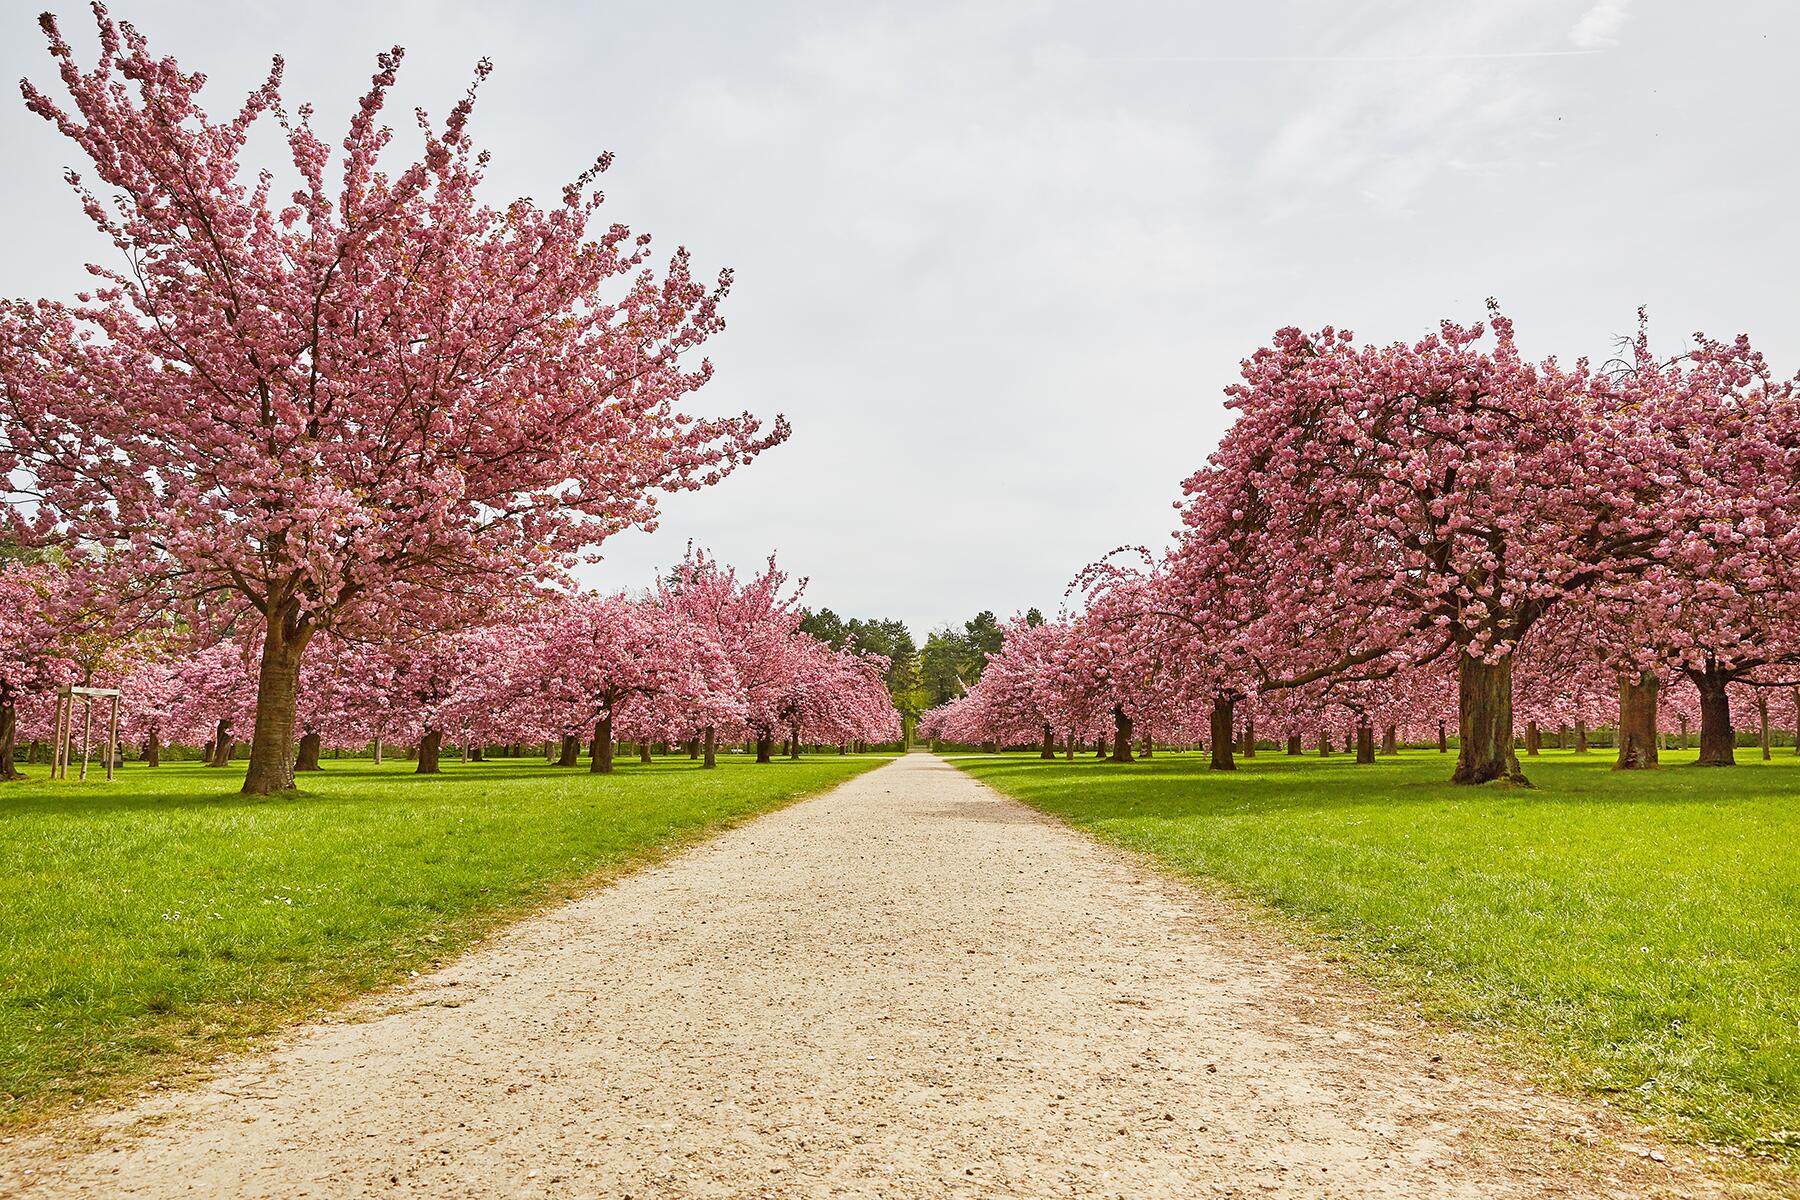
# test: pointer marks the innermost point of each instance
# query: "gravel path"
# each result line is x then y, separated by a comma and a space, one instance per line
908, 987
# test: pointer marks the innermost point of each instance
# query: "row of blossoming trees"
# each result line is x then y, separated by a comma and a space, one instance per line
703, 657
1445, 537
314, 461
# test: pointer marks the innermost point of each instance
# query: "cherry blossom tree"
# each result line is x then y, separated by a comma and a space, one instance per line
368, 401
1438, 497
33, 659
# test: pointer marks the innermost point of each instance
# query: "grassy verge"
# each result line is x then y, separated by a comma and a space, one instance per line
153, 922
1641, 931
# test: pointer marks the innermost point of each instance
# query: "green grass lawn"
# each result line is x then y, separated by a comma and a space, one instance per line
1642, 931
150, 922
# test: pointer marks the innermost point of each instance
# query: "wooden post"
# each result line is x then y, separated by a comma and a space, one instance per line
87, 733
112, 737
56, 737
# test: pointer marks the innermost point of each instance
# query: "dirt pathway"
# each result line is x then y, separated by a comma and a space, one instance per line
909, 987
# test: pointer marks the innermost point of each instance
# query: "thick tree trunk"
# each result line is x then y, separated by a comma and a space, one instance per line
476, 750
709, 750
307, 757
1532, 740
1443, 738
1718, 741
1365, 743
277, 699
693, 748
1049, 750
1762, 717
153, 749
1390, 740
1218, 730
9, 732
1637, 722
1484, 722
1324, 744
35, 754
1581, 742
431, 749
794, 745
569, 754
378, 751
600, 754
1121, 735
1146, 747
431, 744
765, 748
1100, 746
1562, 737
1250, 736
1069, 747
644, 752
1293, 744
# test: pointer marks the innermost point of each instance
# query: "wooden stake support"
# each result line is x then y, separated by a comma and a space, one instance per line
64, 734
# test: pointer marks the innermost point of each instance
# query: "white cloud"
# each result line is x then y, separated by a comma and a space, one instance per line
1599, 26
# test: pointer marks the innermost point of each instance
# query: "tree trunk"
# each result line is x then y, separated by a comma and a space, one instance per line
476, 750
1100, 746
1219, 727
1795, 695
378, 751
1532, 740
277, 699
1718, 741
1365, 742
1121, 735
9, 731
307, 758
1390, 740
569, 753
219, 752
765, 747
693, 748
1581, 742
1250, 735
1049, 750
1762, 717
1484, 722
794, 745
430, 743
1324, 744
600, 754
153, 749
644, 752
709, 750
1293, 745
1147, 747
1637, 722
1443, 738
1069, 747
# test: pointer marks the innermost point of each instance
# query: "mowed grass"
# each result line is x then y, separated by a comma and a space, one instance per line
1640, 930
155, 921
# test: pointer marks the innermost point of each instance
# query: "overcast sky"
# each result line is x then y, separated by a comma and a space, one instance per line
997, 261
